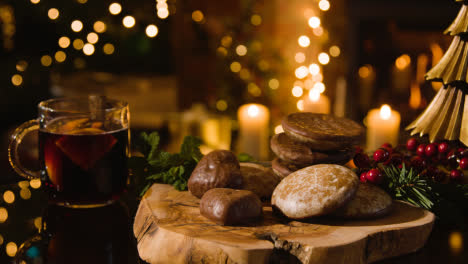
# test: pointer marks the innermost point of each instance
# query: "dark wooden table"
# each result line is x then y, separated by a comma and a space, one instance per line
46, 233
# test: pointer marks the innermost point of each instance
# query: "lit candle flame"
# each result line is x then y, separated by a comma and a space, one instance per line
253, 111
385, 112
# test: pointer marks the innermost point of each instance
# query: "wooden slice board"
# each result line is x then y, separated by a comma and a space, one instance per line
169, 229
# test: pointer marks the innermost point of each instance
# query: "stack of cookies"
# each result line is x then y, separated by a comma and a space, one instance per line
311, 138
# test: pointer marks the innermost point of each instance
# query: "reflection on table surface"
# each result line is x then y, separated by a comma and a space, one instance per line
33, 231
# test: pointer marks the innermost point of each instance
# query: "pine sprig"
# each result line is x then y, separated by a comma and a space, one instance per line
157, 165
407, 185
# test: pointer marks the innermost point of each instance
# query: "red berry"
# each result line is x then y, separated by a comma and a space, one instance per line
443, 147
418, 162
374, 176
363, 178
431, 150
456, 175
411, 144
361, 160
380, 155
421, 150
464, 163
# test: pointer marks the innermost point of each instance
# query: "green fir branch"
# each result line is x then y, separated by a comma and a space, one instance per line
409, 186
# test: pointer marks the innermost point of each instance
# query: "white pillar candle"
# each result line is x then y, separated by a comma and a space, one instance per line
254, 130
383, 125
316, 102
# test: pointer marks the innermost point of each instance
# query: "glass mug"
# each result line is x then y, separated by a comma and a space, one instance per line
83, 150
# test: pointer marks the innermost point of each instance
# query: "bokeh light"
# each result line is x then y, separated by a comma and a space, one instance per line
22, 65
38, 222
318, 31
64, 42
108, 48
197, 16
319, 86
78, 44
314, 69
221, 105
35, 183
226, 41
456, 242
279, 129
335, 51
3, 215
115, 8
365, 71
77, 25
163, 13
256, 20
9, 197
297, 91
151, 31
16, 80
301, 72
241, 50
273, 84
222, 51
53, 13
244, 74
25, 194
11, 249
46, 60
300, 105
23, 184
323, 58
254, 89
92, 38
128, 21
324, 5
303, 41
314, 22
60, 56
88, 49
235, 66
300, 57
99, 27
35, 1
403, 61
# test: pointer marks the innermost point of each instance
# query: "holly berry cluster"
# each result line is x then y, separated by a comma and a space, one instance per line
440, 162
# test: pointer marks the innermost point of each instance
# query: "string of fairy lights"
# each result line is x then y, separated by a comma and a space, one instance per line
309, 83
9, 198
88, 44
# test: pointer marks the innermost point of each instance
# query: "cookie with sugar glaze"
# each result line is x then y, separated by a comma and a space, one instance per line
315, 190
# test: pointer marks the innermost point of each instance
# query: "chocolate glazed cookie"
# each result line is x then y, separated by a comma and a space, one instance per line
282, 168
301, 154
322, 132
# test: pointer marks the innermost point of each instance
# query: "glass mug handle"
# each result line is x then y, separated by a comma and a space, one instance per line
15, 141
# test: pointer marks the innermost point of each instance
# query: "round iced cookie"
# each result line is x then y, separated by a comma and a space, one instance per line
315, 190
